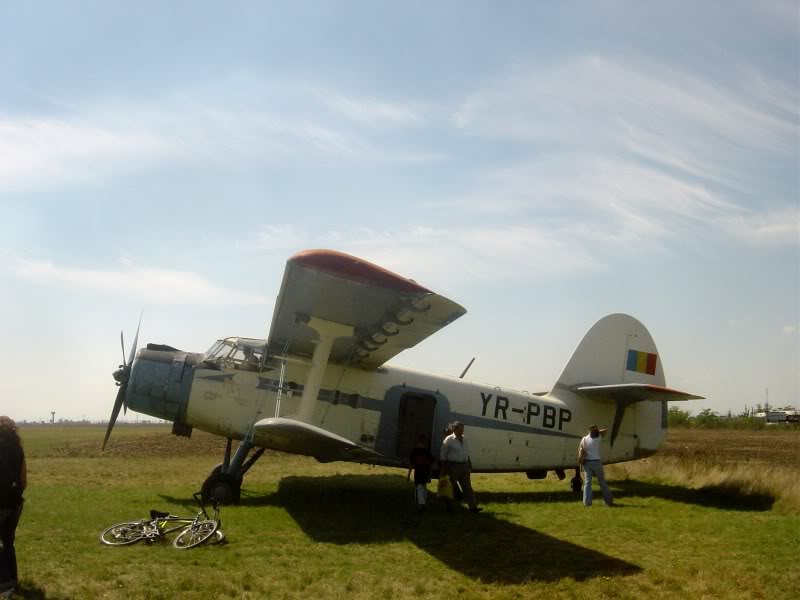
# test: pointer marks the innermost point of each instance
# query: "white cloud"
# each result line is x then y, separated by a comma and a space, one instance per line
248, 124
41, 149
780, 226
789, 329
487, 253
642, 150
155, 286
276, 237
370, 110
610, 200
594, 100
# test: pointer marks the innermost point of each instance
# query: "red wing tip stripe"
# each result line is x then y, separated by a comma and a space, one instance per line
664, 390
632, 386
355, 269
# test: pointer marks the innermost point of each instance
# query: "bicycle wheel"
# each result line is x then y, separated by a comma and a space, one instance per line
195, 534
219, 537
122, 534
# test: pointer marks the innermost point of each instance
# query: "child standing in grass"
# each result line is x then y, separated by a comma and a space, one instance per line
420, 461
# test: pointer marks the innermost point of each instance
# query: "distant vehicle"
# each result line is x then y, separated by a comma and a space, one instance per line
779, 416
320, 385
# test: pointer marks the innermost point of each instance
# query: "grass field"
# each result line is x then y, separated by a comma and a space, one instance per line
306, 530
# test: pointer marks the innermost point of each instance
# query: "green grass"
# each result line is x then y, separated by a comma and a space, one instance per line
306, 530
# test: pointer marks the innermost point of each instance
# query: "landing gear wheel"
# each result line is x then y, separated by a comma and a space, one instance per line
218, 469
227, 489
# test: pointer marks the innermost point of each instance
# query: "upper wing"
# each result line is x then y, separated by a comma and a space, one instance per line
389, 313
635, 392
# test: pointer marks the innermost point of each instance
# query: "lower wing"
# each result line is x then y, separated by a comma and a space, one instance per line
296, 437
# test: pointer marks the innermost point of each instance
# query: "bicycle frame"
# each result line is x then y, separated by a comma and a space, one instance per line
194, 530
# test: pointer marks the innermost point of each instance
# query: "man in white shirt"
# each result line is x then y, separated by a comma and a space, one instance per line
454, 462
590, 449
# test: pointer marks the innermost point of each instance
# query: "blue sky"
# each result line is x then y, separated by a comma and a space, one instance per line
541, 164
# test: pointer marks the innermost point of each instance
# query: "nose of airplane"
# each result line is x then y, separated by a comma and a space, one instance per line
160, 383
157, 382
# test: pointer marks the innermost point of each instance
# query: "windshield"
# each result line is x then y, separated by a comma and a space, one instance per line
238, 353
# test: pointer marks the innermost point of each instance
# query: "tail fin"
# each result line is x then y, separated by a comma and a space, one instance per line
617, 349
617, 363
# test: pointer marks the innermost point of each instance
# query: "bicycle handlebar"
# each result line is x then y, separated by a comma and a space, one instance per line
199, 499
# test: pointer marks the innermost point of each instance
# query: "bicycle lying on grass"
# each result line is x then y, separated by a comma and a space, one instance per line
193, 531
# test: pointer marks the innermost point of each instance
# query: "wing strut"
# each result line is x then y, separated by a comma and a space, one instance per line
328, 333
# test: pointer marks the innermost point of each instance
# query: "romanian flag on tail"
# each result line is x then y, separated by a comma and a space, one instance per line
641, 362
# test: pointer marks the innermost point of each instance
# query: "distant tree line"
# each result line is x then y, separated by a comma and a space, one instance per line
709, 419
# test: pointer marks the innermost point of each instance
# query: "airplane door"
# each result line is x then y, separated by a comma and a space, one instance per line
417, 412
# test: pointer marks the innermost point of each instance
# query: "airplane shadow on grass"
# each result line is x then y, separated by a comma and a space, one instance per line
379, 509
370, 509
724, 497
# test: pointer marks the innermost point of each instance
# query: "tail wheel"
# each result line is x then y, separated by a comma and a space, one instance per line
122, 534
227, 489
195, 534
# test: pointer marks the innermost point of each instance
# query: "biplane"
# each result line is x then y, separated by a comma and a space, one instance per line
322, 385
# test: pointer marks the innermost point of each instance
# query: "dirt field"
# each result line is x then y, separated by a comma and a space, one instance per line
776, 447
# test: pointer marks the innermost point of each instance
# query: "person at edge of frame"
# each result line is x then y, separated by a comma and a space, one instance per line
13, 480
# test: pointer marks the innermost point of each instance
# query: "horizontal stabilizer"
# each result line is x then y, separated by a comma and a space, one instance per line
635, 392
297, 437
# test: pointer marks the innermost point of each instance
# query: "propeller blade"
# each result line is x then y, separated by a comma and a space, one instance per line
122, 342
115, 412
135, 340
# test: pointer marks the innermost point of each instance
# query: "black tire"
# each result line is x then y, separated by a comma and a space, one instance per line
123, 534
195, 534
225, 488
218, 469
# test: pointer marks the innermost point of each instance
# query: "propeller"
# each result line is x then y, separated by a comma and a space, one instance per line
121, 376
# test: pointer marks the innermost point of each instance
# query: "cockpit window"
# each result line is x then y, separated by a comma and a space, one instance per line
216, 350
237, 353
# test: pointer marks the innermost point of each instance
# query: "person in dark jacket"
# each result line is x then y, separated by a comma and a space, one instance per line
13, 480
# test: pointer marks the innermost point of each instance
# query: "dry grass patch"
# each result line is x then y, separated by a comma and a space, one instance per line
747, 467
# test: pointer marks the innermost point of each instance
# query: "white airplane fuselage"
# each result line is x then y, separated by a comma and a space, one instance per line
384, 410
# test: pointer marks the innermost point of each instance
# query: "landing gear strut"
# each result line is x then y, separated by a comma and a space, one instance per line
225, 481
